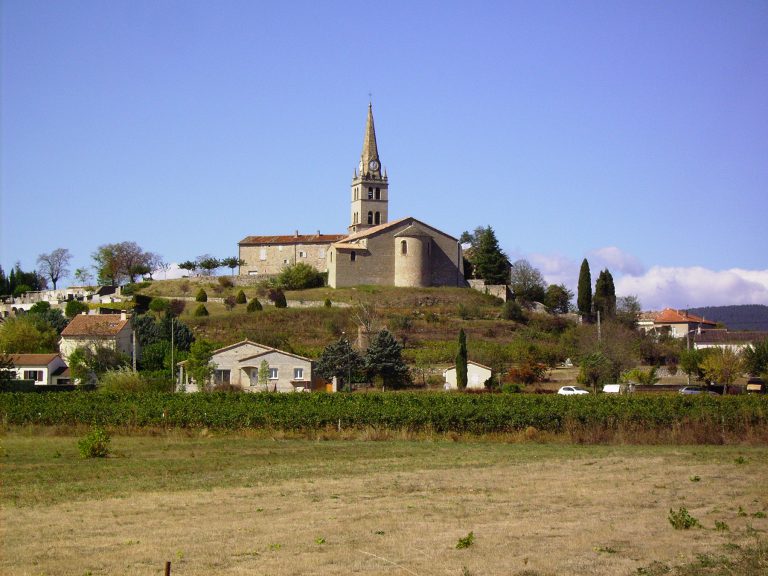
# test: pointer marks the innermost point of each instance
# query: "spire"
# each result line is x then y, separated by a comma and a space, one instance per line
369, 159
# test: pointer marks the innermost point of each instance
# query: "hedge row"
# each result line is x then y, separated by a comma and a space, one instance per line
397, 411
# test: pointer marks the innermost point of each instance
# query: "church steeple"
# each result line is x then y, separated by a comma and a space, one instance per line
369, 159
369, 188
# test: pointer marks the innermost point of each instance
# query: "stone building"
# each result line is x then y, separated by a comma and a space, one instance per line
405, 252
270, 254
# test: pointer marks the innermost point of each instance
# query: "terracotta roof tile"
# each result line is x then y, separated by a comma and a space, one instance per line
95, 325
672, 316
291, 239
32, 359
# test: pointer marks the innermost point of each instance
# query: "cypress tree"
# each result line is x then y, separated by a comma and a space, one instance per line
605, 295
584, 298
461, 361
488, 260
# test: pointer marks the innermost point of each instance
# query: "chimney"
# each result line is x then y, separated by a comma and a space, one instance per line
296, 234
123, 315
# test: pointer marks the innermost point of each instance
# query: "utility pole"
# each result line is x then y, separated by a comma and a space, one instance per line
173, 367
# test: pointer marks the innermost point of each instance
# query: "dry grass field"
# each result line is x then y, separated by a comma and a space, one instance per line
243, 504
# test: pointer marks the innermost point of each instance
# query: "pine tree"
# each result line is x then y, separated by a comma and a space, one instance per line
488, 260
339, 359
584, 298
384, 358
461, 361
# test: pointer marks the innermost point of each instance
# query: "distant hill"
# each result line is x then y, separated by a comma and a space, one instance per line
742, 317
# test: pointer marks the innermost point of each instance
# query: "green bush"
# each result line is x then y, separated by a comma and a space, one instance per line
134, 287
277, 296
300, 277
241, 299
95, 444
201, 310
75, 307
682, 520
512, 311
202, 296
328, 303
159, 305
254, 305
121, 379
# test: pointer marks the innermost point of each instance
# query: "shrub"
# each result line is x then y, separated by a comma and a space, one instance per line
241, 299
122, 379
75, 307
230, 302
512, 311
328, 303
133, 288
176, 307
277, 296
466, 541
159, 305
202, 296
95, 444
254, 305
300, 276
226, 282
201, 310
682, 520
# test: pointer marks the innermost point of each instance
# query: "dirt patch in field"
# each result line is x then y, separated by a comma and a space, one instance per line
605, 515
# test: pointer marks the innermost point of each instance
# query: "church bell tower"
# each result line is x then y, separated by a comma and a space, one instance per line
370, 188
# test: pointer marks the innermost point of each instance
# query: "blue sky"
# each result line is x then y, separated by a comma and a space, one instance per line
631, 133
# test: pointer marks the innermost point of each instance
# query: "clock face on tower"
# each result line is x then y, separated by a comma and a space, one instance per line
373, 165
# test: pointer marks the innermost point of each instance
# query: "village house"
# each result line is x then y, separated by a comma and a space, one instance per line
239, 365
737, 340
42, 369
675, 323
98, 331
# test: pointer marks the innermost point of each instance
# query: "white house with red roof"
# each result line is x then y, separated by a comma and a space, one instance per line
43, 369
675, 323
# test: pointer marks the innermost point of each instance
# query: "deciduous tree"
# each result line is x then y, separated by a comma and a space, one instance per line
54, 265
558, 298
232, 262
527, 282
723, 366
27, 335
199, 365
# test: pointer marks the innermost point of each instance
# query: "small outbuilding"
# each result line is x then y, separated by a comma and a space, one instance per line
477, 375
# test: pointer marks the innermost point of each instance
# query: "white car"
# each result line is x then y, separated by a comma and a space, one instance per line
572, 390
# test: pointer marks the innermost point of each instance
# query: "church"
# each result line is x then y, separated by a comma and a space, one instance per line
375, 250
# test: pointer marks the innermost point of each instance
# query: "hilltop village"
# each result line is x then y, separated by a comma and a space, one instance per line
383, 304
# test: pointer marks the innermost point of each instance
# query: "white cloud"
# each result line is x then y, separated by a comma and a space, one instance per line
660, 286
682, 287
616, 260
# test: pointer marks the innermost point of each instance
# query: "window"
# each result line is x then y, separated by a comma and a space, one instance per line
262, 253
403, 247
322, 253
221, 376
253, 272
377, 220
331, 256
378, 194
280, 248
352, 256
273, 373
370, 217
302, 254
298, 373
254, 376
36, 375
286, 261
370, 193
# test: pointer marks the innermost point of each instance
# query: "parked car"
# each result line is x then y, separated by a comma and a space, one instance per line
696, 390
572, 390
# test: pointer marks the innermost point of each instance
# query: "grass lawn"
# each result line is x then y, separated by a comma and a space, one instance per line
249, 504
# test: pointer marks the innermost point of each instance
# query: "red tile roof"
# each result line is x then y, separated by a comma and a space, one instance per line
95, 325
294, 239
32, 359
672, 316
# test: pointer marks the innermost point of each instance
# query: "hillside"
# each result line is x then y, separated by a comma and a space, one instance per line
742, 317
